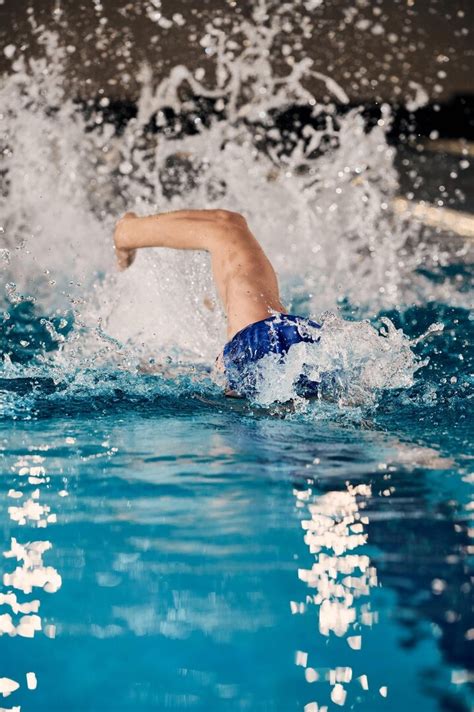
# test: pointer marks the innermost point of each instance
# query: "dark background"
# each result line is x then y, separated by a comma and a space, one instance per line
373, 48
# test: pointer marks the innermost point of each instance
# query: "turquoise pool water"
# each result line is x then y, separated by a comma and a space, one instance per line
166, 548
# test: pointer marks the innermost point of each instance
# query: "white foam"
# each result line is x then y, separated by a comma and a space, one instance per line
352, 361
323, 214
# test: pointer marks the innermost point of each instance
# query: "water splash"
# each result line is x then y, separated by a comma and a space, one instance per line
318, 197
352, 361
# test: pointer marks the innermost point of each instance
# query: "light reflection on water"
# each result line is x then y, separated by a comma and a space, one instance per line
210, 563
340, 577
29, 574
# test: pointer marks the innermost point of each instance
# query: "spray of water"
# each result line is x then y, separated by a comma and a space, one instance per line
318, 198
352, 362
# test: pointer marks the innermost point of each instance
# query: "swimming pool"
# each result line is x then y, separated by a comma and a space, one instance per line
164, 547
184, 552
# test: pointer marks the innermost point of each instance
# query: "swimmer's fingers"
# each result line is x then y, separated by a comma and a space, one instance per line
124, 258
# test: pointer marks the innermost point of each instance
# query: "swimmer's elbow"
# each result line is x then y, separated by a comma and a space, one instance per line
226, 229
231, 229
229, 218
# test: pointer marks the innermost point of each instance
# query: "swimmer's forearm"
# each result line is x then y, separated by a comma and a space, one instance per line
182, 230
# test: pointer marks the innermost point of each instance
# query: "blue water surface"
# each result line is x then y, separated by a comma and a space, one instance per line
207, 555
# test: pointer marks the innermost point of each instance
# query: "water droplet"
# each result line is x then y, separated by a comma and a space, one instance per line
9, 51
125, 168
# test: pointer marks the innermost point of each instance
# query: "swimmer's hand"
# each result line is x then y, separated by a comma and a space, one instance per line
124, 254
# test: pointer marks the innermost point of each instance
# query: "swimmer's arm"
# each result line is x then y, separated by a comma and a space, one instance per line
182, 230
245, 279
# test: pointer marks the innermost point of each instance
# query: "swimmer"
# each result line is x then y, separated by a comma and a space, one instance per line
257, 322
